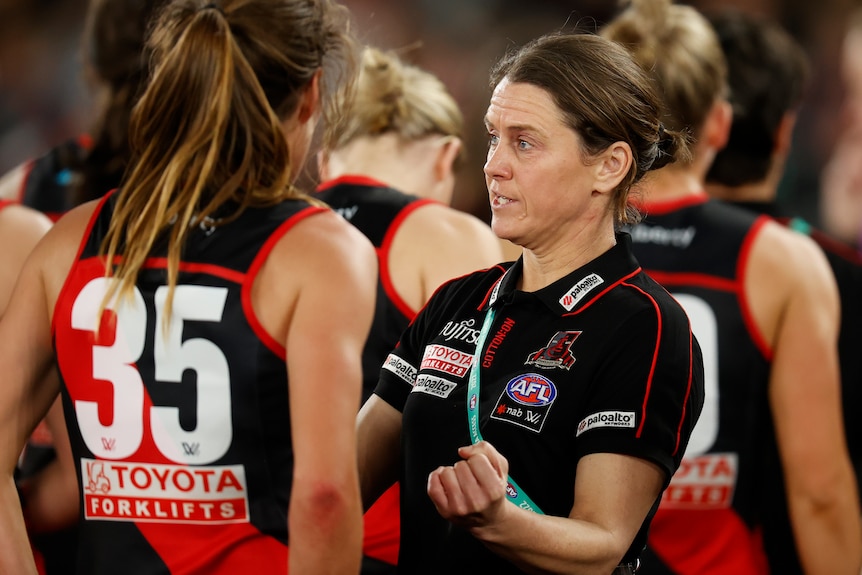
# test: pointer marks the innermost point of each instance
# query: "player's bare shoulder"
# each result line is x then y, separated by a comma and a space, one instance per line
451, 231
786, 266
791, 256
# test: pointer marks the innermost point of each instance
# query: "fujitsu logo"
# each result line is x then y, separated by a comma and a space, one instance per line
463, 331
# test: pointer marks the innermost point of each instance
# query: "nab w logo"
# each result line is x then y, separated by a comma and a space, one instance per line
191, 448
108, 443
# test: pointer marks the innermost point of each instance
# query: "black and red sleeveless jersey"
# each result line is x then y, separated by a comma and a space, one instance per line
179, 424
378, 212
709, 521
600, 361
49, 179
846, 265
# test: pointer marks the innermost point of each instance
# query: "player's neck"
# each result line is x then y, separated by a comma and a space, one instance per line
670, 183
759, 192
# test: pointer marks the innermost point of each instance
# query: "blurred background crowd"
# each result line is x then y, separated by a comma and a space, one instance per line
45, 99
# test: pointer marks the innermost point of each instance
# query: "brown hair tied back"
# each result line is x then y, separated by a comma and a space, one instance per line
207, 134
671, 146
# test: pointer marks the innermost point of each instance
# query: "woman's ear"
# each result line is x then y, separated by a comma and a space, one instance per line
446, 156
716, 126
323, 165
611, 166
309, 102
784, 134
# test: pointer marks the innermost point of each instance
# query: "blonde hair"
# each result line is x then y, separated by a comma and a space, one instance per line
206, 135
395, 97
678, 47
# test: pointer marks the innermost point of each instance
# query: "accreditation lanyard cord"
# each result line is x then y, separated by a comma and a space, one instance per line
515, 494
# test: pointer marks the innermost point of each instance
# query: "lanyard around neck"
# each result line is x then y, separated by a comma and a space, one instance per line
514, 493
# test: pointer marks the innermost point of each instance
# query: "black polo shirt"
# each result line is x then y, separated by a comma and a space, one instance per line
602, 360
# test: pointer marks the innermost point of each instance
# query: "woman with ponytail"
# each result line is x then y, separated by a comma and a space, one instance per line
207, 318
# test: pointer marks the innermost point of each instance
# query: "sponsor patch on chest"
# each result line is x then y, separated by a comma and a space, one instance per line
526, 401
446, 360
163, 493
580, 290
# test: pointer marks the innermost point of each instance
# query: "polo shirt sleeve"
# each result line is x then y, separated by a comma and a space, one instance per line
398, 373
648, 391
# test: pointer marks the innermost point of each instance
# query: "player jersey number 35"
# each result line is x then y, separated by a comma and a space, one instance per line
115, 362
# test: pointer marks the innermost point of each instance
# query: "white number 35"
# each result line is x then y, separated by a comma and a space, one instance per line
116, 363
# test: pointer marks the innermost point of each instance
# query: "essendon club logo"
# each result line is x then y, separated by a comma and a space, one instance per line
557, 353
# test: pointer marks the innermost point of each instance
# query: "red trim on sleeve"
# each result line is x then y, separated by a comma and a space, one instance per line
270, 342
654, 358
744, 305
687, 389
383, 257
5, 203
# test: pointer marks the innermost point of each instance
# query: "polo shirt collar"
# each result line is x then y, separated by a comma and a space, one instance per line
578, 288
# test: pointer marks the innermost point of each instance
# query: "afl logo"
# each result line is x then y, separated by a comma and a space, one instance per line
511, 491
531, 389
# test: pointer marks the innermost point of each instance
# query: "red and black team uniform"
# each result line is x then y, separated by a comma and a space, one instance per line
846, 264
378, 212
602, 360
180, 430
711, 517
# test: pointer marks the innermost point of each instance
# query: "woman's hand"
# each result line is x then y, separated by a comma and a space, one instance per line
472, 492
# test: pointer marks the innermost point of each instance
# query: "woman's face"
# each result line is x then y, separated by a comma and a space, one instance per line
539, 186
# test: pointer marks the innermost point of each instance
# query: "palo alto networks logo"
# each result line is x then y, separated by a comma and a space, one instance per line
579, 290
97, 481
606, 419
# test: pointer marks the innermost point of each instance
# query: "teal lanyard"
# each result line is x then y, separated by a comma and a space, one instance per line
515, 494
